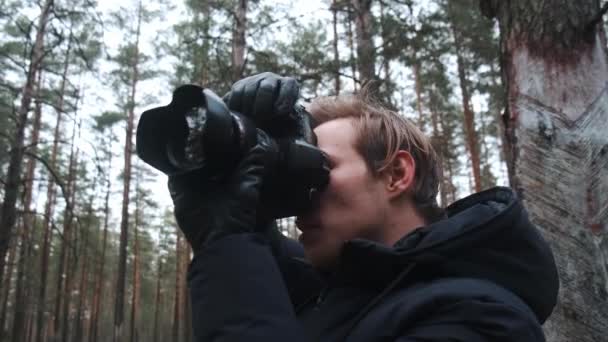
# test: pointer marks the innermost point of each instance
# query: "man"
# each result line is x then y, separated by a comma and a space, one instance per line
385, 263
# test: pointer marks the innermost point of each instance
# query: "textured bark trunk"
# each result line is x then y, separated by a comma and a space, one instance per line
178, 284
84, 276
158, 299
124, 222
238, 39
27, 223
71, 242
385, 55
133, 332
11, 188
18, 330
418, 88
187, 315
94, 323
469, 116
556, 72
62, 274
8, 271
366, 59
204, 66
50, 202
334, 10
351, 45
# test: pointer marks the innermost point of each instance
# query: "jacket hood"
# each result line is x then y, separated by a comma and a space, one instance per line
487, 236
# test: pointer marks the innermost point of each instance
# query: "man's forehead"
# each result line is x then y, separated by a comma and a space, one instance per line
336, 136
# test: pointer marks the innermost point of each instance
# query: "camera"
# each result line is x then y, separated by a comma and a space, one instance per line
197, 132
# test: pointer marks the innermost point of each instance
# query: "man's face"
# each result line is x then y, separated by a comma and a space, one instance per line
352, 206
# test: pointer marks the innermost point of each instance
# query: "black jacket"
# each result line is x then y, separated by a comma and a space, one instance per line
483, 274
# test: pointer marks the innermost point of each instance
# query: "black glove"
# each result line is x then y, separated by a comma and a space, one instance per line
269, 100
208, 209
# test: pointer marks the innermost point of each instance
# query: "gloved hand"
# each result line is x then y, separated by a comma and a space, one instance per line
208, 209
269, 100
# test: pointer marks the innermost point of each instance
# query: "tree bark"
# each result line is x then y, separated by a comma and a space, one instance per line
8, 271
11, 189
21, 294
100, 274
177, 308
366, 59
238, 39
136, 277
351, 45
469, 114
124, 222
50, 201
62, 273
334, 10
158, 298
556, 71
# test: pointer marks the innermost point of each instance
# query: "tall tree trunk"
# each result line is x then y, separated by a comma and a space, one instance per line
351, 45
204, 60
177, 308
71, 240
19, 303
158, 298
21, 295
84, 275
187, 310
336, 38
418, 89
556, 72
6, 286
100, 274
136, 276
124, 222
366, 59
238, 39
65, 244
469, 115
50, 201
11, 189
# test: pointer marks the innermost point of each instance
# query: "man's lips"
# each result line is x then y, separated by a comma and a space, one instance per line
310, 232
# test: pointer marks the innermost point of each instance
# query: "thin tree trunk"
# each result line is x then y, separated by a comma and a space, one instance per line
136, 275
178, 284
334, 10
11, 189
50, 202
124, 222
84, 276
158, 299
557, 119
187, 315
100, 274
366, 59
71, 255
8, 270
469, 115
65, 245
238, 39
21, 294
19, 303
204, 60
418, 89
351, 45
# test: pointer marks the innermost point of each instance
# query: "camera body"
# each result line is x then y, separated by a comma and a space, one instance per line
197, 132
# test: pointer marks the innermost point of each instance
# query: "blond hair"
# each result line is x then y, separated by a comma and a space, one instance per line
382, 133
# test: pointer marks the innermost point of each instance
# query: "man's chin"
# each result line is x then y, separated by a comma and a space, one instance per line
322, 259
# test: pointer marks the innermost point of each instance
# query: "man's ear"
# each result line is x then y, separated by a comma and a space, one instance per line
400, 174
